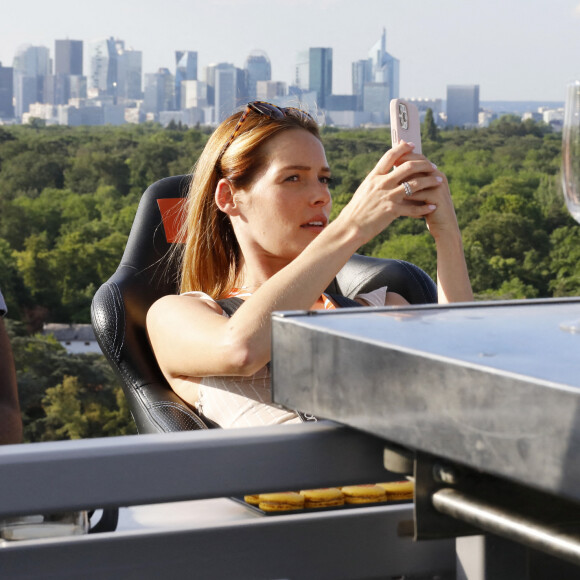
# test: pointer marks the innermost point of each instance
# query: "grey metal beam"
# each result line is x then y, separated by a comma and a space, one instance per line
494, 386
347, 544
136, 470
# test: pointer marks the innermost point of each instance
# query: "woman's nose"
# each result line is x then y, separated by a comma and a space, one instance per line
322, 196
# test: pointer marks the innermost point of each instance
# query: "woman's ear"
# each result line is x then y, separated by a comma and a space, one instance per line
224, 197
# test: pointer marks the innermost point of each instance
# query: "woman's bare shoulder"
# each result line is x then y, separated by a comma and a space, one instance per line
182, 304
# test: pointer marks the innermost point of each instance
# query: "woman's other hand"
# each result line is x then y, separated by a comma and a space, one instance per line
382, 197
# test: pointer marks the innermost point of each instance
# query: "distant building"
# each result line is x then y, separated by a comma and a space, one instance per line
375, 81
103, 65
129, 73
270, 90
225, 90
384, 66
348, 119
362, 73
376, 100
190, 117
320, 74
484, 118
436, 105
305, 100
76, 338
553, 117
257, 68
193, 94
530, 115
32, 64
6, 92
341, 102
68, 57
185, 70
159, 91
302, 70
462, 105
56, 89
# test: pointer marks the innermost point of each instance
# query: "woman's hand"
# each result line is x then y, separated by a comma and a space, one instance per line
442, 220
452, 277
381, 197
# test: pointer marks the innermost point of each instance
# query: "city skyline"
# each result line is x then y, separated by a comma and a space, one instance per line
514, 51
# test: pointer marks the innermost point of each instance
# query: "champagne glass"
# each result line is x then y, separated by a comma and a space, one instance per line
571, 164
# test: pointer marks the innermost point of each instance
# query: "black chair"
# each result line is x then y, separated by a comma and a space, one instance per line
146, 273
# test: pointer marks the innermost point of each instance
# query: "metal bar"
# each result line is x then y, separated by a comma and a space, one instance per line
540, 534
143, 469
352, 543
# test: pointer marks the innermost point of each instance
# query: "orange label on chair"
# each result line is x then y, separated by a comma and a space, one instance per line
172, 214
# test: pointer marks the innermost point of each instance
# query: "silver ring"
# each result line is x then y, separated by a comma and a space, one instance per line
408, 190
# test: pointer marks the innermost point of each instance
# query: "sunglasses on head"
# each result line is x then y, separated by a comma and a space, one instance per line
267, 110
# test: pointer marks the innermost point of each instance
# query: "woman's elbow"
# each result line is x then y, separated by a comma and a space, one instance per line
242, 359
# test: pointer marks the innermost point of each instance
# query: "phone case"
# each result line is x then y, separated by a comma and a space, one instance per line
405, 124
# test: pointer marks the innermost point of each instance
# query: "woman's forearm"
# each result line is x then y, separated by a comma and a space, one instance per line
452, 276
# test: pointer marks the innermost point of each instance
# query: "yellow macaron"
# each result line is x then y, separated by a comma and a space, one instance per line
363, 493
322, 497
281, 501
398, 490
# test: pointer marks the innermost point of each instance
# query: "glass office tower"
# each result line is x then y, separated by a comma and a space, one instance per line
320, 74
258, 68
462, 105
185, 70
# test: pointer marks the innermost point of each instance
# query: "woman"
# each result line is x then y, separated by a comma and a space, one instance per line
257, 227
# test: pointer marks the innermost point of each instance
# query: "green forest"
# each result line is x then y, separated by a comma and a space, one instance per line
68, 196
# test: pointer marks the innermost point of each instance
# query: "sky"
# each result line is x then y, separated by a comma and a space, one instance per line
513, 49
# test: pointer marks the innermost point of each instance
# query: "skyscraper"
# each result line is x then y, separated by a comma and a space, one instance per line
225, 92
225, 88
32, 61
6, 92
32, 65
270, 90
185, 70
302, 70
68, 57
362, 73
193, 95
129, 73
68, 69
257, 68
462, 105
385, 67
103, 62
320, 74
159, 91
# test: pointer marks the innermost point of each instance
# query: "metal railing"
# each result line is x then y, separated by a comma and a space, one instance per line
147, 469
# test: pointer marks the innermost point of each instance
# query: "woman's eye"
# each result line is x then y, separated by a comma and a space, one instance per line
327, 180
292, 178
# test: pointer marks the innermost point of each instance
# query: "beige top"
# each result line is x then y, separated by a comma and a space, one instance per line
247, 401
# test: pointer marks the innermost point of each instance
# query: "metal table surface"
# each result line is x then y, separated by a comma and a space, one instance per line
493, 386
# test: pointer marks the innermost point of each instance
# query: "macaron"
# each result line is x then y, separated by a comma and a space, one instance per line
252, 499
363, 493
281, 501
398, 490
323, 497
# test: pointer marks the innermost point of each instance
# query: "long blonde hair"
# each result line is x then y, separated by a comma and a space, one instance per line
210, 258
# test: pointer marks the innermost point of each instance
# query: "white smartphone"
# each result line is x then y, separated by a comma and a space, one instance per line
405, 124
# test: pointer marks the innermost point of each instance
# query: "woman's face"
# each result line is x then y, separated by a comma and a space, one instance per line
288, 204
